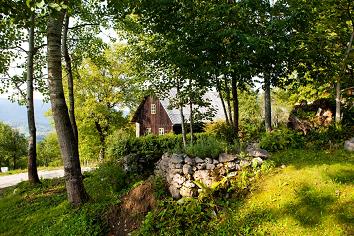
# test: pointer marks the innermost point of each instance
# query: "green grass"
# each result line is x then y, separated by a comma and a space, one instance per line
44, 209
312, 194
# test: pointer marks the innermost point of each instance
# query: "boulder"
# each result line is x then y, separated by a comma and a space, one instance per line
187, 192
349, 145
203, 176
210, 166
178, 179
230, 165
244, 163
257, 152
201, 166
174, 192
189, 161
224, 157
257, 161
189, 184
198, 160
187, 169
177, 159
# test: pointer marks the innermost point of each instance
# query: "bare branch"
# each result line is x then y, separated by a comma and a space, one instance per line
83, 25
15, 48
39, 47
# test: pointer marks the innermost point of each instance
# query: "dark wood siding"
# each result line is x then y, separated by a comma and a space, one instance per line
153, 121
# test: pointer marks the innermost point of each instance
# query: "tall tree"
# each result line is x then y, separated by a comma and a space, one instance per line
17, 23
69, 150
32, 145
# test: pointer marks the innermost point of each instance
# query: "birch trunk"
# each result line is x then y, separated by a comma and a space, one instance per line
184, 138
32, 148
69, 73
222, 102
338, 84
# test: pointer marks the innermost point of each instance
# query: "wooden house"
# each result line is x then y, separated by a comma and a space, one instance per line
155, 116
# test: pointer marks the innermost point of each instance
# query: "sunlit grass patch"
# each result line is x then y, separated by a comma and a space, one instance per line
310, 196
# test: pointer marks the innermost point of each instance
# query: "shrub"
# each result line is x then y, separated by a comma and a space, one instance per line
190, 217
150, 146
49, 151
281, 139
207, 146
327, 137
221, 130
109, 177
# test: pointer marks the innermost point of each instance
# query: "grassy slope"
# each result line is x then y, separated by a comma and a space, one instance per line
312, 195
44, 209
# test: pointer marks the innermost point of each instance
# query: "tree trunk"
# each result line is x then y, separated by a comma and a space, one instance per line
267, 104
228, 100
191, 121
184, 138
14, 161
338, 100
69, 151
235, 105
338, 85
102, 141
218, 87
32, 148
69, 73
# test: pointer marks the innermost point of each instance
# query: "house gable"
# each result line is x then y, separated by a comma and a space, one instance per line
152, 122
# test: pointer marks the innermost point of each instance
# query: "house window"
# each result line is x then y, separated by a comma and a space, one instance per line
148, 131
153, 108
161, 131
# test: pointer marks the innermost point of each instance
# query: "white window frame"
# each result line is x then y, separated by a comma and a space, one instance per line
148, 131
153, 109
161, 131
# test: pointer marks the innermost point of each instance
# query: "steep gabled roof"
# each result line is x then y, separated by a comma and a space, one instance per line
174, 114
210, 96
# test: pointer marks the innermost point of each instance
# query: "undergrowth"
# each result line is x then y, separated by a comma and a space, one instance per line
44, 210
307, 193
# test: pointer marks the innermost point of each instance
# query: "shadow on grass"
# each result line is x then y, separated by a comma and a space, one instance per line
342, 176
310, 206
300, 158
309, 209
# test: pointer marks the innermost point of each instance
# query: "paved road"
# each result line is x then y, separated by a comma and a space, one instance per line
10, 180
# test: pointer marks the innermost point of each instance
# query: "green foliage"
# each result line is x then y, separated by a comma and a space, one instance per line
13, 147
44, 210
328, 137
104, 90
221, 130
109, 178
189, 217
280, 139
48, 151
251, 120
310, 196
149, 146
205, 146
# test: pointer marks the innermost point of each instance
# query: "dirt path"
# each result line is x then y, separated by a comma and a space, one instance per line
10, 180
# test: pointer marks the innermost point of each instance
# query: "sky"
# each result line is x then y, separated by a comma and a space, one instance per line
105, 33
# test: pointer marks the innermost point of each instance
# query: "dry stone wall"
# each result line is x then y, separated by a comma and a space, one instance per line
181, 171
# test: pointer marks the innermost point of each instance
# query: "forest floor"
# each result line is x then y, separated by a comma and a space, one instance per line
306, 193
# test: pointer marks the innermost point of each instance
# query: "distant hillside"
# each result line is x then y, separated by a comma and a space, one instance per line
16, 116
